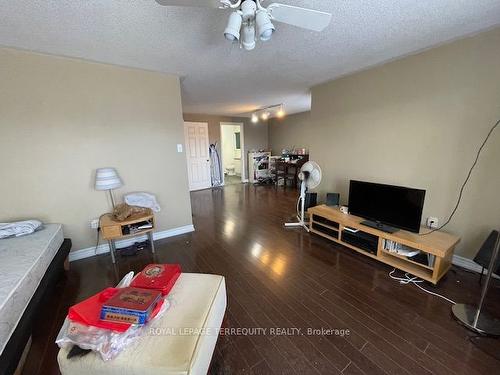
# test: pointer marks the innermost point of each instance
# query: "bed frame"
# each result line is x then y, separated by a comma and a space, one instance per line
9, 359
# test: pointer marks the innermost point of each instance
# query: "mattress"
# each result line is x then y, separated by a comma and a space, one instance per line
24, 262
179, 343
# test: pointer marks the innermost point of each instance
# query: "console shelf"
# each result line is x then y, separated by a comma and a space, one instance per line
332, 232
330, 223
336, 229
323, 234
386, 253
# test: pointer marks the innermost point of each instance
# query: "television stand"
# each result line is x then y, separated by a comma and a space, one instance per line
378, 225
427, 257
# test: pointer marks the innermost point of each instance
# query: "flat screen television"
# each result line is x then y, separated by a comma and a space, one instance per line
387, 206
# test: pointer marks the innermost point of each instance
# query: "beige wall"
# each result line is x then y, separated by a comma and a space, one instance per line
60, 119
416, 122
255, 135
289, 132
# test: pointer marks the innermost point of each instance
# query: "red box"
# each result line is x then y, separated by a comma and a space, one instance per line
160, 277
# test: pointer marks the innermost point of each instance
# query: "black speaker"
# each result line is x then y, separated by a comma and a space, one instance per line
483, 257
311, 200
332, 199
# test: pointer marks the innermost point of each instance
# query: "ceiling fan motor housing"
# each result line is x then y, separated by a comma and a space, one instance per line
248, 9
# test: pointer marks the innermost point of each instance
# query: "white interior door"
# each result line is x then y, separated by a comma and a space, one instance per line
198, 159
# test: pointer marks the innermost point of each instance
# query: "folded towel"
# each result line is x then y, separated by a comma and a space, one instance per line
19, 228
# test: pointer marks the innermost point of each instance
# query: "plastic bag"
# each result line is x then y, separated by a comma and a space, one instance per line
103, 341
127, 279
142, 199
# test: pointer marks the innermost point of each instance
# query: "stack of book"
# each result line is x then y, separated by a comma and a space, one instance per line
117, 308
137, 303
131, 306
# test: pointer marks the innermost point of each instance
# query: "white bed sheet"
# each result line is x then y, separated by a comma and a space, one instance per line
23, 262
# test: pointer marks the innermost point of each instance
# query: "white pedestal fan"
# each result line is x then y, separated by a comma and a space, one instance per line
310, 177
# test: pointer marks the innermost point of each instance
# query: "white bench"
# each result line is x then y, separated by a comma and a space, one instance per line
180, 342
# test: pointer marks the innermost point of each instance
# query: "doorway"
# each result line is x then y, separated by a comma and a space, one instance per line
198, 159
232, 153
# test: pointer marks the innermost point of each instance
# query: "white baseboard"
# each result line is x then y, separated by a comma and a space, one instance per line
104, 248
469, 264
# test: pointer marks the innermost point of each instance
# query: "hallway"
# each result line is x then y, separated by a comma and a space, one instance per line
232, 180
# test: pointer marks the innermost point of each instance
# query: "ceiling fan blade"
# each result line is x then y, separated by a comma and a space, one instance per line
301, 17
191, 3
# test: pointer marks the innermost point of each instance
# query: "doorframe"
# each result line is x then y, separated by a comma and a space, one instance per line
186, 155
243, 153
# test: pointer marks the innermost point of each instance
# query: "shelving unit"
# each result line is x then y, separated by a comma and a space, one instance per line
258, 166
112, 230
330, 223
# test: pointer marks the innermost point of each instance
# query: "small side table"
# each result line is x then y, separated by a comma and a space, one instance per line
112, 230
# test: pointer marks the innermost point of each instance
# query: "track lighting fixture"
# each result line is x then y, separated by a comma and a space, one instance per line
281, 112
266, 113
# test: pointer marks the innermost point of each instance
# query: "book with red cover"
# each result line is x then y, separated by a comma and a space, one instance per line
88, 311
131, 305
160, 277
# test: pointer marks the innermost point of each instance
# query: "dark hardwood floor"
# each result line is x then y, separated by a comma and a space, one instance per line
288, 279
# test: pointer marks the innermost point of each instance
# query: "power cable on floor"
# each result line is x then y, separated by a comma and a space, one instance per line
416, 281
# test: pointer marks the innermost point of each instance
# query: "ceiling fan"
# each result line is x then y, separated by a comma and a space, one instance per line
251, 21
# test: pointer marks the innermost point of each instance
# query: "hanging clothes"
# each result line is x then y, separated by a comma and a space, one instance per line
215, 166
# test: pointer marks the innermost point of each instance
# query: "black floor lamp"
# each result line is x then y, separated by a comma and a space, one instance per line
471, 316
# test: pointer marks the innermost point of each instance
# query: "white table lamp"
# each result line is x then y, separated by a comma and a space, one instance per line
108, 179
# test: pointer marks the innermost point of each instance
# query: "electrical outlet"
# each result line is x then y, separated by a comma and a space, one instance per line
94, 223
432, 222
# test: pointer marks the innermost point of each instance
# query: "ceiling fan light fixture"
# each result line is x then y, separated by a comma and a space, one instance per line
248, 37
233, 28
265, 27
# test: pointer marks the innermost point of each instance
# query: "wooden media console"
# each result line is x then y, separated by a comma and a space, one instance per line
435, 249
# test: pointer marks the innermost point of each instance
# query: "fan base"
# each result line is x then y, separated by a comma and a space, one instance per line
297, 225
486, 324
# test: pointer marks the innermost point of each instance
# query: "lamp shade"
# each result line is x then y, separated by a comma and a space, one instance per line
107, 179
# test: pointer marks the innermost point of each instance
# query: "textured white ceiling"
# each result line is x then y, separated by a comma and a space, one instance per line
220, 78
